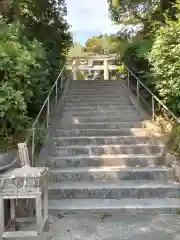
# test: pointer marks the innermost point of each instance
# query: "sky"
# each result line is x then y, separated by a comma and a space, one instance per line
89, 18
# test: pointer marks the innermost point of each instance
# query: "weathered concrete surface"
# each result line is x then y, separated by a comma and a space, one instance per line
77, 155
100, 226
116, 227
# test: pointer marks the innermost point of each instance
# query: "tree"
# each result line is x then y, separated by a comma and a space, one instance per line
108, 44
165, 62
34, 40
94, 45
45, 21
142, 12
24, 72
76, 50
112, 43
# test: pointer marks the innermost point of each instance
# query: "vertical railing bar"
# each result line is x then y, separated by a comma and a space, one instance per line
48, 110
153, 109
61, 82
33, 134
128, 80
32, 150
56, 92
137, 90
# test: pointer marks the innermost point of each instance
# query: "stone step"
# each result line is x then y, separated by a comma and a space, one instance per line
98, 81
99, 108
131, 160
97, 87
98, 92
103, 85
100, 125
101, 112
117, 88
125, 114
90, 85
101, 93
113, 190
127, 206
100, 119
94, 94
99, 103
100, 86
102, 104
80, 82
138, 149
96, 132
98, 99
113, 226
100, 140
114, 173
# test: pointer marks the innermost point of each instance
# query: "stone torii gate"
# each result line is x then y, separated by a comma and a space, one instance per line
86, 63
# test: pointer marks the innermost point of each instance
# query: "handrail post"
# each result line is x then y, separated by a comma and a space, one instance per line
137, 89
61, 79
153, 112
48, 110
56, 92
128, 80
33, 146
154, 98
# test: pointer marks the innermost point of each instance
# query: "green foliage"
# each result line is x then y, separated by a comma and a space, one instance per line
121, 68
24, 77
174, 140
80, 75
135, 57
137, 9
76, 50
153, 53
104, 44
112, 44
165, 63
94, 45
143, 47
34, 40
142, 12
45, 21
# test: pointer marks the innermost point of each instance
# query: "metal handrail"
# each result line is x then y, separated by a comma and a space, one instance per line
153, 97
45, 105
47, 99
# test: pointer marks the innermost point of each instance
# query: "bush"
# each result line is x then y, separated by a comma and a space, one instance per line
24, 79
174, 140
165, 63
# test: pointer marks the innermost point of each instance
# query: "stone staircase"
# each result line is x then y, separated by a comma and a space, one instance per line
103, 159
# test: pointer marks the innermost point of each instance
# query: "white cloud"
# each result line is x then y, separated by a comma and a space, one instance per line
90, 15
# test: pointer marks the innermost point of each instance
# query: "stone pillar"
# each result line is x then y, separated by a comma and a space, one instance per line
106, 70
90, 62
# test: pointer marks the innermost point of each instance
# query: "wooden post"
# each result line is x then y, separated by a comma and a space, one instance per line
39, 219
12, 209
1, 217
45, 202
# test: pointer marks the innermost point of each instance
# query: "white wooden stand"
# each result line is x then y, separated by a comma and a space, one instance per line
25, 183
